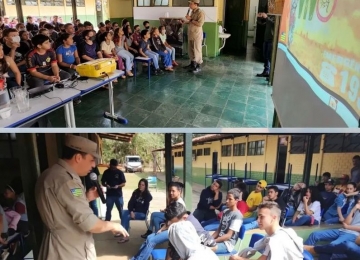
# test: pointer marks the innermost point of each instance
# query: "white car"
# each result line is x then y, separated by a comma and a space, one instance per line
133, 163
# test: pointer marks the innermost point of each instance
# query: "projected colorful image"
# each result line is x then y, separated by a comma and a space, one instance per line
321, 39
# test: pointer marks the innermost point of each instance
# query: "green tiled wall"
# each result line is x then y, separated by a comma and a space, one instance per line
211, 30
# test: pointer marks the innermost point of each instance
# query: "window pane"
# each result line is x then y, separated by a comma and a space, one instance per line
144, 2
180, 3
207, 3
161, 2
10, 2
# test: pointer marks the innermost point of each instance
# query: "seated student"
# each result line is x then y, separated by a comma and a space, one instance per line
345, 250
273, 195
328, 195
325, 177
343, 205
254, 199
107, 47
89, 49
161, 236
121, 50
174, 193
12, 48
45, 32
293, 197
138, 206
341, 187
42, 64
184, 241
349, 232
309, 210
146, 52
13, 194
52, 33
227, 233
279, 243
136, 37
210, 200
129, 41
7, 65
67, 54
146, 25
158, 47
169, 48
25, 44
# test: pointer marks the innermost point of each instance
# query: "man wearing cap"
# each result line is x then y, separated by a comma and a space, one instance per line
195, 35
64, 208
254, 200
114, 180
341, 187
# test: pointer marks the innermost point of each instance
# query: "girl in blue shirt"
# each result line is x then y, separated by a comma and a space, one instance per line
66, 54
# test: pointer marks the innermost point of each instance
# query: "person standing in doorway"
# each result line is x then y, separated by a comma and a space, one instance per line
195, 35
268, 43
63, 204
114, 180
355, 171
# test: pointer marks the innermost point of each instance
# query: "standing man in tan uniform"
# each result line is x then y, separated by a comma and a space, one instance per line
195, 35
63, 205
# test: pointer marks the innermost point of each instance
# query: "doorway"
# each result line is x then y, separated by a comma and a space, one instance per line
281, 160
236, 25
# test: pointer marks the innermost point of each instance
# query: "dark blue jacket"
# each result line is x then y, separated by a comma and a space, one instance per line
113, 177
207, 199
139, 202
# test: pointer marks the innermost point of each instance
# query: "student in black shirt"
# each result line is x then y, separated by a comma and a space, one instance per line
42, 64
114, 180
138, 206
325, 177
12, 48
89, 49
31, 26
210, 199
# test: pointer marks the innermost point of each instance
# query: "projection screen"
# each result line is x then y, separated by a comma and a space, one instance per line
317, 69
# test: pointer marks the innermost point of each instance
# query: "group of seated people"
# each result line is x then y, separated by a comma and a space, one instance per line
13, 214
51, 52
298, 206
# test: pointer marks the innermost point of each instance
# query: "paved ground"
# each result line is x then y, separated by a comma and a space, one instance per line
225, 94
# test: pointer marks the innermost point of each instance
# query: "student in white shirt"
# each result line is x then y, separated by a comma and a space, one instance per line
309, 210
279, 243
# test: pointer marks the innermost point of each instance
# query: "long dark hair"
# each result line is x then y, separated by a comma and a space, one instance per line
144, 193
315, 194
103, 36
126, 31
4, 67
116, 37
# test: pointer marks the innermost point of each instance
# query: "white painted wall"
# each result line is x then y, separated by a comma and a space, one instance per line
253, 4
154, 13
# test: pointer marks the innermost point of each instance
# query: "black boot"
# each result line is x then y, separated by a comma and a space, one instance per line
189, 66
196, 68
264, 74
148, 233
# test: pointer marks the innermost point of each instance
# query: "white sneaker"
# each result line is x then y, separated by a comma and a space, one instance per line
5, 255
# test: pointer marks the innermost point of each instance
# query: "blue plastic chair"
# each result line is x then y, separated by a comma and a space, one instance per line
307, 255
158, 254
234, 252
285, 216
254, 238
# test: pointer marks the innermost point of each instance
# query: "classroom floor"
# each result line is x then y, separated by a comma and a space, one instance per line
225, 93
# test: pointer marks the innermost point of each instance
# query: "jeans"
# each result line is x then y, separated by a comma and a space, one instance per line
221, 248
304, 220
93, 205
331, 219
291, 212
251, 225
155, 58
155, 220
334, 235
148, 246
331, 251
127, 56
204, 215
166, 58
172, 52
267, 49
125, 219
119, 203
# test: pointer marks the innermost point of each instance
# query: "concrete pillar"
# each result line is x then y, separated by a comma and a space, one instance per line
308, 159
188, 170
168, 158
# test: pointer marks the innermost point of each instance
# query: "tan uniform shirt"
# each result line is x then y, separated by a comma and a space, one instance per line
195, 27
64, 209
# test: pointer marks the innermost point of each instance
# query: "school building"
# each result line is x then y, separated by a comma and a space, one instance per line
275, 154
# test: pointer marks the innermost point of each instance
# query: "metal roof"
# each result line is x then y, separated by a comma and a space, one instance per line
117, 137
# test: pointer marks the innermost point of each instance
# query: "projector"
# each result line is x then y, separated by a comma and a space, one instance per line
96, 68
